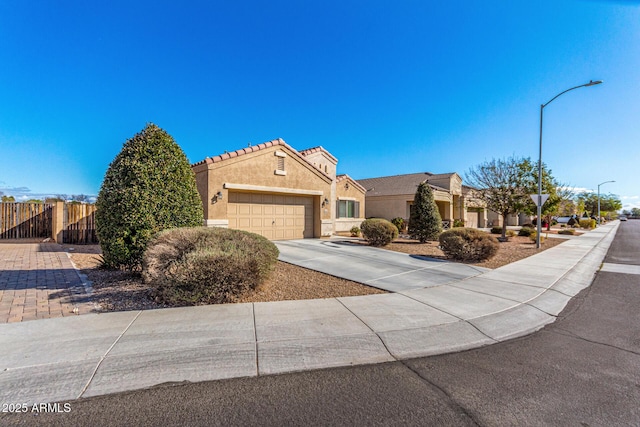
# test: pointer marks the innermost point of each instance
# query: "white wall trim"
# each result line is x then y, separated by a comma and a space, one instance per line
260, 188
280, 153
222, 223
348, 198
281, 173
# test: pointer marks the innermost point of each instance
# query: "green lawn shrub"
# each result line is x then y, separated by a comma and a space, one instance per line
400, 223
511, 233
355, 231
425, 222
526, 231
569, 231
587, 223
458, 223
496, 230
468, 244
147, 188
200, 265
378, 231
533, 236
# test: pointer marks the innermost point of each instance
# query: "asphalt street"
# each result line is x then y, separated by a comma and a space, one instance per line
584, 369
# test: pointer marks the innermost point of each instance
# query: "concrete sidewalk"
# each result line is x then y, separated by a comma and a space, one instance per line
72, 357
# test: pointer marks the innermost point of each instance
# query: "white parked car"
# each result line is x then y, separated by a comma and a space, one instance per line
622, 218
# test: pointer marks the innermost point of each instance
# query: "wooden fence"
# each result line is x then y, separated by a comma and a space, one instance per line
79, 224
25, 220
64, 222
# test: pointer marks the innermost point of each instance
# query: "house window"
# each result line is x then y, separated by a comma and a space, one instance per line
348, 209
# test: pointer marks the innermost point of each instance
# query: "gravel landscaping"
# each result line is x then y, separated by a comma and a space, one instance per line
515, 249
120, 290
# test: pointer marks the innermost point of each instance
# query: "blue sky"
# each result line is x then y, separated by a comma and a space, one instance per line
387, 87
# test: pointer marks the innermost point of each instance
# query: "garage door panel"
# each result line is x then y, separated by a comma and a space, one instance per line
273, 216
243, 197
243, 223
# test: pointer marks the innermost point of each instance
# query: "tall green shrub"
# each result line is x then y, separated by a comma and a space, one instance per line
399, 223
425, 222
148, 187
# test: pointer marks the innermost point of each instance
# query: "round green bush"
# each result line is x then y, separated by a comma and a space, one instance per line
200, 265
148, 187
468, 244
355, 231
378, 231
496, 230
526, 231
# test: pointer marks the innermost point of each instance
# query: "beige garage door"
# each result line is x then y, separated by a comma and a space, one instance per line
274, 216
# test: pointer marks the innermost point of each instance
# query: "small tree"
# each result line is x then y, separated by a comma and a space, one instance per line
502, 185
560, 195
148, 187
425, 222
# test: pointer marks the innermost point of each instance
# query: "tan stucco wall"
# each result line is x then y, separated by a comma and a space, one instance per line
323, 162
354, 192
388, 207
494, 219
258, 169
351, 193
328, 164
452, 183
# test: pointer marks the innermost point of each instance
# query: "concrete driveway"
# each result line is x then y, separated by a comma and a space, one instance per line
380, 268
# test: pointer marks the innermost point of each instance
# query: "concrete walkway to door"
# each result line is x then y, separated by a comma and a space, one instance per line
38, 281
383, 269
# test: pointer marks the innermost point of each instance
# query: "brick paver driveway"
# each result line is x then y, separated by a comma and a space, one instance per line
38, 281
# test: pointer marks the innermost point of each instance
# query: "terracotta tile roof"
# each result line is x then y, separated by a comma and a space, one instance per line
253, 148
317, 149
229, 155
400, 184
343, 177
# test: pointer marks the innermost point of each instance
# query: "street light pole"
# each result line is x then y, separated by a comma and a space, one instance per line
602, 183
539, 211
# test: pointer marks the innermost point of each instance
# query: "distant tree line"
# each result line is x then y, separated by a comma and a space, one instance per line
73, 198
634, 212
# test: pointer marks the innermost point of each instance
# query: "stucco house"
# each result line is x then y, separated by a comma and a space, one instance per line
392, 196
279, 192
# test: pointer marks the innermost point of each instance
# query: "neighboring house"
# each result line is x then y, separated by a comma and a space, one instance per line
279, 192
392, 196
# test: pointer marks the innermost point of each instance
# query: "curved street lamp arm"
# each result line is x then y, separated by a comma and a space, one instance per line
604, 183
591, 83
